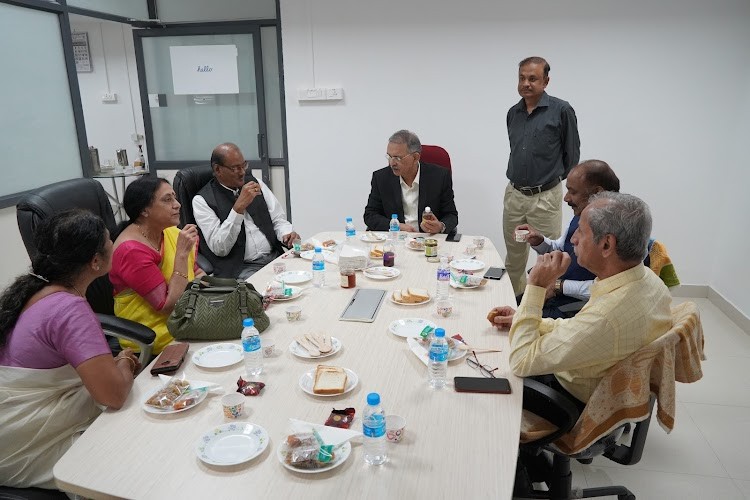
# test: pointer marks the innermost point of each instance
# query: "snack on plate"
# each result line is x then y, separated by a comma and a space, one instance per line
426, 342
328, 243
315, 343
306, 246
329, 380
168, 395
376, 253
411, 296
303, 450
416, 243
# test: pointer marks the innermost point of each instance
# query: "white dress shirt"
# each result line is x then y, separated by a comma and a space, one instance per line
410, 201
222, 236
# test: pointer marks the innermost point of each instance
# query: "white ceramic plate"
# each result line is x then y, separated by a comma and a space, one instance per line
455, 284
218, 356
409, 327
156, 411
339, 458
294, 277
301, 352
307, 381
232, 444
382, 273
415, 244
296, 292
370, 237
328, 256
423, 352
390, 296
467, 264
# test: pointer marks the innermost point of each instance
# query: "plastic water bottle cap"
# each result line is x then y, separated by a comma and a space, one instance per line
348, 219
373, 399
394, 216
318, 250
248, 322
439, 332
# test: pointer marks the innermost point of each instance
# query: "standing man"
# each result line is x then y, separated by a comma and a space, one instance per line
406, 186
544, 146
242, 224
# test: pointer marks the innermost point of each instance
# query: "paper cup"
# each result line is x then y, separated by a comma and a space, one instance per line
268, 347
395, 425
293, 313
233, 405
479, 243
521, 235
278, 268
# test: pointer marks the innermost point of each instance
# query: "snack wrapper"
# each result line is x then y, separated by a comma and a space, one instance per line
165, 397
340, 418
249, 388
467, 279
303, 451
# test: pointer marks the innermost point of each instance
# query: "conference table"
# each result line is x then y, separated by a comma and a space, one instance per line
454, 444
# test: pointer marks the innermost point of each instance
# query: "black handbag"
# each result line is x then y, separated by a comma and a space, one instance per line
213, 309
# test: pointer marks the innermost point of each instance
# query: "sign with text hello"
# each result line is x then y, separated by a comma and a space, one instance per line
204, 69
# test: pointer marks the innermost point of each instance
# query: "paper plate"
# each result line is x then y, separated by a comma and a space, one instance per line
296, 292
232, 444
390, 296
301, 352
409, 327
415, 244
218, 356
294, 277
328, 256
467, 264
370, 237
340, 456
307, 381
382, 273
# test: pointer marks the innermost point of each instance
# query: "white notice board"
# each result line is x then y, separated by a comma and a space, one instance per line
204, 69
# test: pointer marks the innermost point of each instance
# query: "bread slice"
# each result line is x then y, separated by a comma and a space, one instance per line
329, 380
397, 296
418, 295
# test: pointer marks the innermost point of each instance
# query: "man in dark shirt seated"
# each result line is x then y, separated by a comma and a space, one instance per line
584, 180
406, 186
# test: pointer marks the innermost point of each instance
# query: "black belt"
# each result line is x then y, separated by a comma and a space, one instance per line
532, 190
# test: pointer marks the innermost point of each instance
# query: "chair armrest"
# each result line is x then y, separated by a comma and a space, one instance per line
558, 409
140, 335
204, 264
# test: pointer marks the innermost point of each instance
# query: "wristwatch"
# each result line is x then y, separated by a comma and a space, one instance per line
559, 287
443, 229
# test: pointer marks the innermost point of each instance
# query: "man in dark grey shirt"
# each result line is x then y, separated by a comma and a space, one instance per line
544, 146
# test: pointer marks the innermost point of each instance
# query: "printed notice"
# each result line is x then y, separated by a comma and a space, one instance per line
204, 69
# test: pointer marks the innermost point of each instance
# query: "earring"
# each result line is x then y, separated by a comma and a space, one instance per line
96, 268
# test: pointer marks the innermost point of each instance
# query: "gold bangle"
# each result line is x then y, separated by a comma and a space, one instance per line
178, 273
129, 359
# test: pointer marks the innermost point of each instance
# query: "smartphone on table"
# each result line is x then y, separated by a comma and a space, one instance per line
494, 273
454, 237
482, 384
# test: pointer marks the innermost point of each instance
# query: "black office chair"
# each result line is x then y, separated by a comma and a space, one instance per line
621, 403
90, 195
187, 183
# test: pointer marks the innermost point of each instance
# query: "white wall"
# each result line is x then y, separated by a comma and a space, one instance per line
654, 88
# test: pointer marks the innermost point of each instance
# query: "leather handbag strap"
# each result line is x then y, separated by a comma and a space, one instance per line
243, 300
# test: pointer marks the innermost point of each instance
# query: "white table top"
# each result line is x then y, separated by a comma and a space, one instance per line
455, 444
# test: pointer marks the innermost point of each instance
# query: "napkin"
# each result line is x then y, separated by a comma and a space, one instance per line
330, 435
355, 257
419, 350
194, 384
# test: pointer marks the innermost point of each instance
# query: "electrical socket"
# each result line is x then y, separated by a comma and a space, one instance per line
109, 97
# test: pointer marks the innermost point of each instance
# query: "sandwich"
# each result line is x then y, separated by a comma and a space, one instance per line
329, 380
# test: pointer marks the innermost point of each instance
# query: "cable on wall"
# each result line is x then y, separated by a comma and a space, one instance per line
104, 55
130, 87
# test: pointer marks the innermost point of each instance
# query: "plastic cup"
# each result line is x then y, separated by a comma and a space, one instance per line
521, 235
233, 405
395, 425
293, 313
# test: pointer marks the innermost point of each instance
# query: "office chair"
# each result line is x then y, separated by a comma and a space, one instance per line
625, 396
435, 155
90, 195
187, 182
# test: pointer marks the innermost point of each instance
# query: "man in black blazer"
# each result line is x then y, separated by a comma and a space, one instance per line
406, 186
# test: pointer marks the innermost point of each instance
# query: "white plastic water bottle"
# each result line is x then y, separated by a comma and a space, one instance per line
437, 366
393, 229
318, 268
350, 231
251, 348
442, 289
373, 430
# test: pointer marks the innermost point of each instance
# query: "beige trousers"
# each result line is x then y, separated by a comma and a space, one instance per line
543, 211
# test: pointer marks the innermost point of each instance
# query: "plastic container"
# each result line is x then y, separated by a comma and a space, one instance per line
351, 233
437, 366
251, 348
373, 430
442, 289
318, 268
389, 255
393, 229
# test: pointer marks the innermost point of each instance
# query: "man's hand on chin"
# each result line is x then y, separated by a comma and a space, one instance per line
548, 268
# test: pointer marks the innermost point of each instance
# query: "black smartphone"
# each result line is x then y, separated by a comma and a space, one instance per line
494, 273
481, 384
453, 237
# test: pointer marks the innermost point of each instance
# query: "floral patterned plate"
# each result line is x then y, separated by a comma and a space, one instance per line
232, 444
218, 356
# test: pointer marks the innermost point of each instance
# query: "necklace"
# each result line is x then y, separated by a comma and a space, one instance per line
150, 241
77, 291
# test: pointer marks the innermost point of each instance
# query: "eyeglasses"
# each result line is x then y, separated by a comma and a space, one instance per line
485, 370
397, 159
236, 168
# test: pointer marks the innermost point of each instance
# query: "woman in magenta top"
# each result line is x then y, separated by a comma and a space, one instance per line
55, 364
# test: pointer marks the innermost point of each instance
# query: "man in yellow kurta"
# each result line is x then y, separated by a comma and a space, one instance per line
629, 305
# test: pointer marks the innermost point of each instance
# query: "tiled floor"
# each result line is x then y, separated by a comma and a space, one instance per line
707, 455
